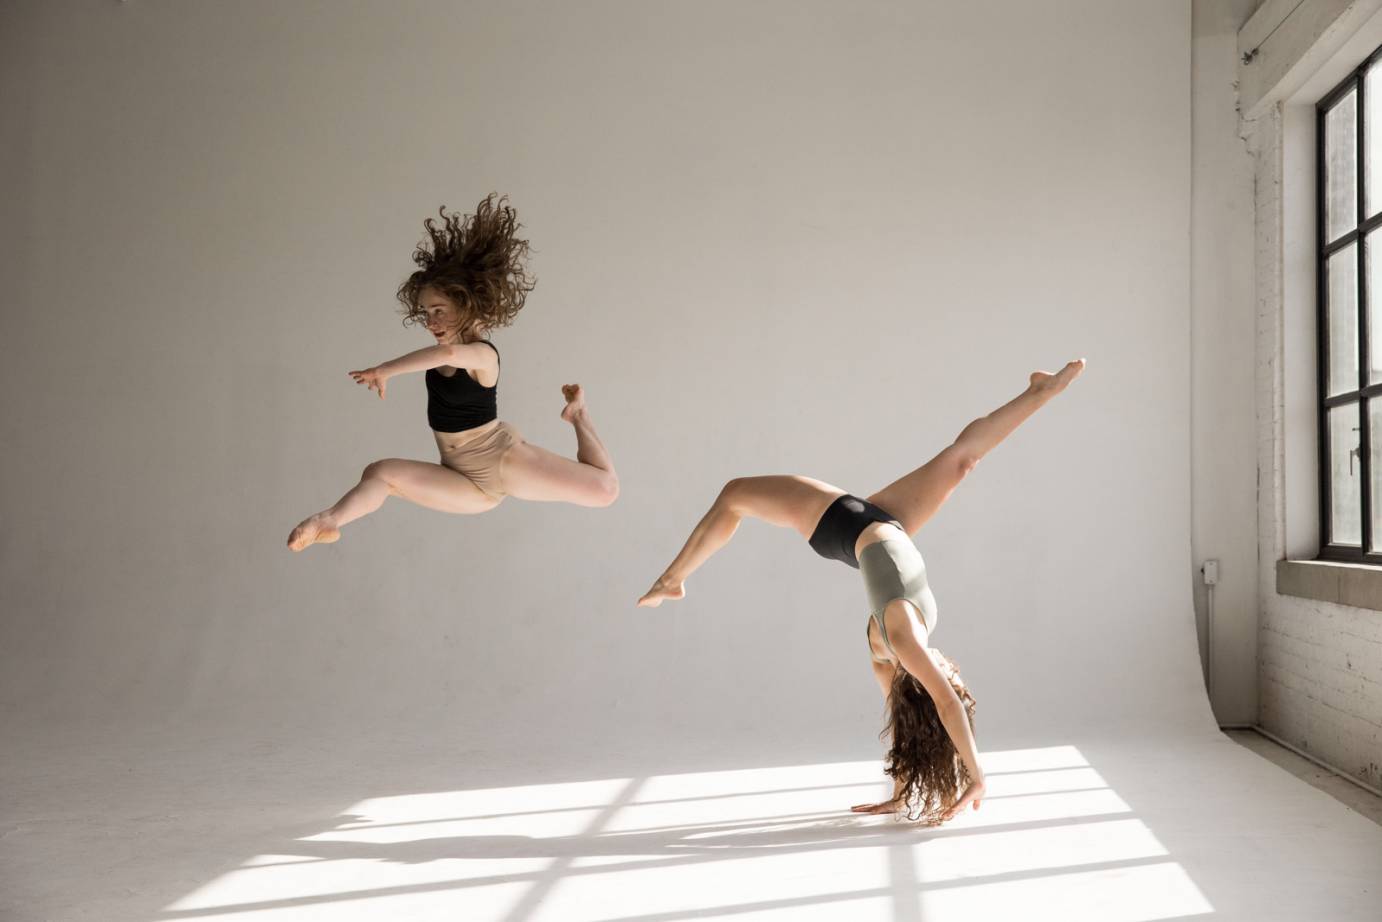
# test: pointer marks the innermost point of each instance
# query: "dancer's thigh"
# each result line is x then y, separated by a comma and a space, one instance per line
918, 495
433, 486
786, 500
532, 472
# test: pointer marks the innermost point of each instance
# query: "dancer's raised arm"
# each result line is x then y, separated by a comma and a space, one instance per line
474, 356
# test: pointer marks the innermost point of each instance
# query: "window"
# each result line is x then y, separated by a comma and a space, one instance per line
1349, 121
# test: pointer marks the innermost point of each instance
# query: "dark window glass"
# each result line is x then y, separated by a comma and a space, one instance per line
1349, 266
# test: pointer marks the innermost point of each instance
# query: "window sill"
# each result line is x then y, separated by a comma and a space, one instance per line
1355, 584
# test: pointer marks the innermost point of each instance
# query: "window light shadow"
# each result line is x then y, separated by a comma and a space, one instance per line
760, 843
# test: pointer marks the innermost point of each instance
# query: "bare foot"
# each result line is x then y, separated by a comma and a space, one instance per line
315, 529
575, 401
662, 589
1053, 384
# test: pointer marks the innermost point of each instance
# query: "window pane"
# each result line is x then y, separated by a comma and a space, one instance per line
1342, 309
1374, 422
1373, 139
1345, 477
1341, 160
1373, 254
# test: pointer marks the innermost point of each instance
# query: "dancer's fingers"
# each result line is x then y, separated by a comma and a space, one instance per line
968, 800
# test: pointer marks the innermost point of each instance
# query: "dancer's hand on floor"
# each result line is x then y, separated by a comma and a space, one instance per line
972, 795
372, 378
887, 806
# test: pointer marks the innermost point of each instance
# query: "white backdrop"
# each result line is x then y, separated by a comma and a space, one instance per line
773, 237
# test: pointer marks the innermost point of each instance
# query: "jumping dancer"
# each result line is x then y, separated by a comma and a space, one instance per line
470, 279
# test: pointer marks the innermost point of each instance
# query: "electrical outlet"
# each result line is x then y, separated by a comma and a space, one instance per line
1211, 572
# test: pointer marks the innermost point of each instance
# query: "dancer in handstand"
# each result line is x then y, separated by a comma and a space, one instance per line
932, 758
471, 278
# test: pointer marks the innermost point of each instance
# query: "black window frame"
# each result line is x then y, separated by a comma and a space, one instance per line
1364, 393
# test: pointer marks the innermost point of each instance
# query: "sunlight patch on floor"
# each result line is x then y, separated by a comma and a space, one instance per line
1051, 841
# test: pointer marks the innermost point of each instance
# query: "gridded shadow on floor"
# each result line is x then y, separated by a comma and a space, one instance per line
1051, 841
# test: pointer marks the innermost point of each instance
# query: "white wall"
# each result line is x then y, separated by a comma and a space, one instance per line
1224, 492
811, 237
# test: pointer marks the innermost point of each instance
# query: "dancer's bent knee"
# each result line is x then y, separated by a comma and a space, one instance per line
607, 490
732, 493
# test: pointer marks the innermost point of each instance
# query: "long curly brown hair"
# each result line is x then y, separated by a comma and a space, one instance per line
476, 261
922, 760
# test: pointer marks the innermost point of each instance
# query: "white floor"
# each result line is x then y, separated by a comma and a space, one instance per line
114, 826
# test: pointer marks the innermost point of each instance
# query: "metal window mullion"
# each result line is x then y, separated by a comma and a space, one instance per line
1350, 555
1338, 400
1335, 246
1371, 224
1364, 428
1322, 331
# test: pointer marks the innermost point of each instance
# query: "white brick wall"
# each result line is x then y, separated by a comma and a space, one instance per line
1319, 664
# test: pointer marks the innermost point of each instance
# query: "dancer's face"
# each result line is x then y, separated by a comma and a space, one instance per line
443, 320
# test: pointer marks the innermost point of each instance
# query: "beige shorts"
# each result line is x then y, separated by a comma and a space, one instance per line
479, 454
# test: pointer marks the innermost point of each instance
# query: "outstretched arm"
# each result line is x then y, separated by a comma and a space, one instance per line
476, 356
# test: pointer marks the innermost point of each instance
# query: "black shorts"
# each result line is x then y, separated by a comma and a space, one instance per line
841, 525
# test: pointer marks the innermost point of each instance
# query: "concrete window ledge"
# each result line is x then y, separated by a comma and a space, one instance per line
1327, 581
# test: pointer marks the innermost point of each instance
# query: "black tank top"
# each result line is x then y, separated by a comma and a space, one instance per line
841, 525
460, 402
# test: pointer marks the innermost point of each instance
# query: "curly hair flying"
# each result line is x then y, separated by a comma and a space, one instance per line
476, 261
927, 770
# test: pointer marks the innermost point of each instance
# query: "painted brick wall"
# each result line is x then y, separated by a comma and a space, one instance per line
1321, 682
1319, 664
